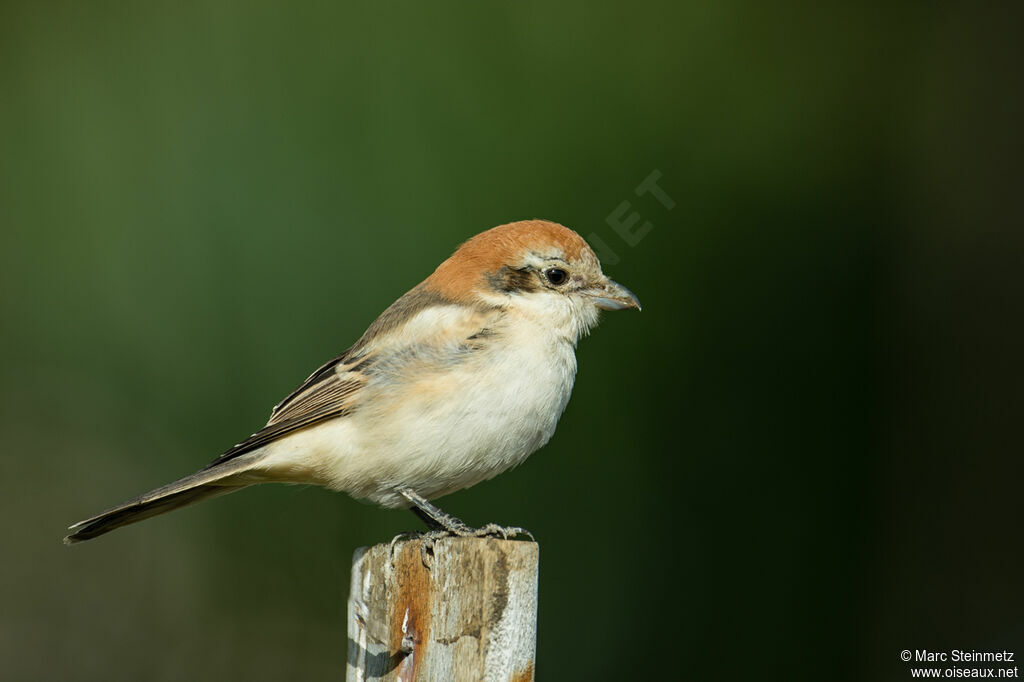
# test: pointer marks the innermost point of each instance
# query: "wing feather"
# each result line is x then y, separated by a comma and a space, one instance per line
438, 328
328, 393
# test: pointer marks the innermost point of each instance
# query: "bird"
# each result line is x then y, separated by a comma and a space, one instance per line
460, 379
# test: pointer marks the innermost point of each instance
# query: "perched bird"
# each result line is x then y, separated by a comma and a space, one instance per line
460, 379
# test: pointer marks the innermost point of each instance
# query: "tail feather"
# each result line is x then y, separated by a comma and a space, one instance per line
199, 486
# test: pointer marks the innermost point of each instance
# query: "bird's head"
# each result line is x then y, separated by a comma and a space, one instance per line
540, 268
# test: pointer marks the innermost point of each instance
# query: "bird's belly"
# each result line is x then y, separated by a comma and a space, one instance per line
442, 433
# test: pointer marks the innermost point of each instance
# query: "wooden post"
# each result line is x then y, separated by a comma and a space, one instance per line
472, 615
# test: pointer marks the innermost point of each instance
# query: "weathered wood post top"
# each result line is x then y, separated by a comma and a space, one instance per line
470, 615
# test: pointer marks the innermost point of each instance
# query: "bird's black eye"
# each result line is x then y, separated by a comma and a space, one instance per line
556, 275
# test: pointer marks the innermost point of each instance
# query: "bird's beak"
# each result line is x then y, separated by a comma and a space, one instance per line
614, 296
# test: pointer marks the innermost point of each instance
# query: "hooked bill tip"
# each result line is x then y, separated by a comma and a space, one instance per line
614, 296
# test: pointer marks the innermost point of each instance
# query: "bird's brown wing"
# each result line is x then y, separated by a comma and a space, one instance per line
332, 390
322, 386
329, 392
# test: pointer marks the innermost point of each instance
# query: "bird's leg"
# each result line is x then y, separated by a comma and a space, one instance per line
441, 522
435, 518
438, 522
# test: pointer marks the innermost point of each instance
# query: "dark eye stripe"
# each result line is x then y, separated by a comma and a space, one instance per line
508, 280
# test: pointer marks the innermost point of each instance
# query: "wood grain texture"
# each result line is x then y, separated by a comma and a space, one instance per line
471, 616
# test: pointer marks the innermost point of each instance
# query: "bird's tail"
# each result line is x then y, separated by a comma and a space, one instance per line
218, 480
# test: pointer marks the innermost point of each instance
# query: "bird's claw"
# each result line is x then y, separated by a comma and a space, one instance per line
427, 540
401, 537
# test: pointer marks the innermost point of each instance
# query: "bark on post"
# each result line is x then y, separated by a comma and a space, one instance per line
471, 616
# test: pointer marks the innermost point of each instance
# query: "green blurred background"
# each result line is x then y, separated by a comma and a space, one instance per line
802, 457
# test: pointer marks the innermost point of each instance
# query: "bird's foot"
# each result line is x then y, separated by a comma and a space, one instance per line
429, 538
426, 540
492, 530
444, 525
